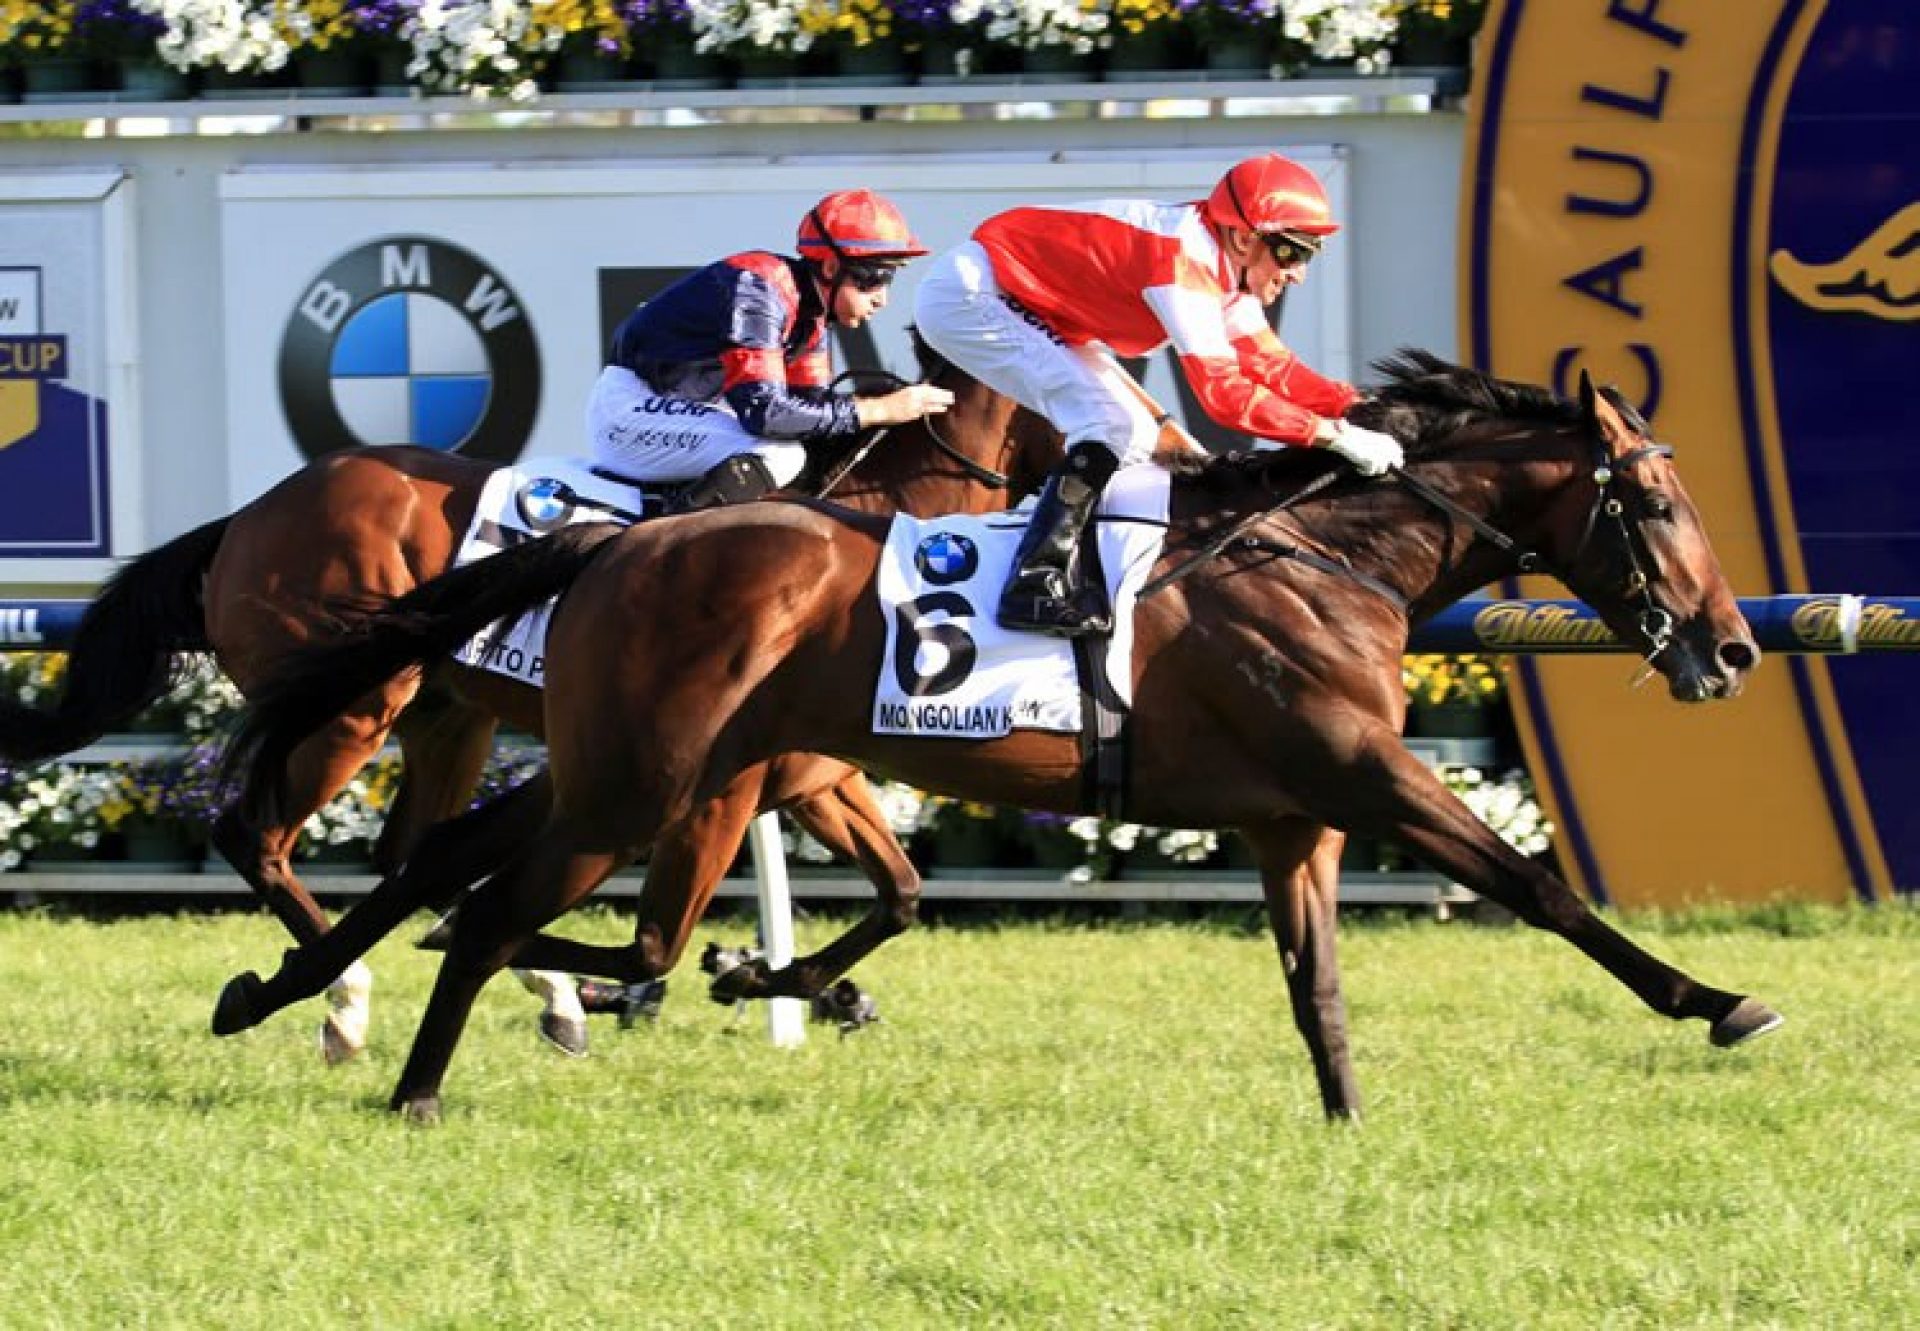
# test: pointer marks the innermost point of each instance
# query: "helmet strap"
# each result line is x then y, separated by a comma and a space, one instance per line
839, 268
1233, 193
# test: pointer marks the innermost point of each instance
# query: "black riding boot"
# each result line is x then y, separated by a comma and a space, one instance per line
741, 479
1045, 592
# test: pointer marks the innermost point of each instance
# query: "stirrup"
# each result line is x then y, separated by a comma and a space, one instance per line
1081, 613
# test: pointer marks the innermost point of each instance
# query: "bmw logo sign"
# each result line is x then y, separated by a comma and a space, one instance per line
410, 340
946, 557
546, 504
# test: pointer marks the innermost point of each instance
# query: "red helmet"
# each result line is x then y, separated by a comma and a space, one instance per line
1268, 194
857, 224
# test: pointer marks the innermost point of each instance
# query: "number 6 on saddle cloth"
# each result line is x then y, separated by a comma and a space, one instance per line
951, 672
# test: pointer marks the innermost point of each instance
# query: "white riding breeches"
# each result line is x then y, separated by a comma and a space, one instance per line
1082, 390
642, 435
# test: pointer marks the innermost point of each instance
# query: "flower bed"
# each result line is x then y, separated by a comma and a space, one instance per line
513, 49
71, 810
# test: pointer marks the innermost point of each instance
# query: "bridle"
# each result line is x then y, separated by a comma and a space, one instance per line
1655, 624
979, 472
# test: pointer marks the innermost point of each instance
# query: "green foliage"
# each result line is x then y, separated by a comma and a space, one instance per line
1054, 1126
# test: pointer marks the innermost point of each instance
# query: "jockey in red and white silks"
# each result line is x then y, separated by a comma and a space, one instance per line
1040, 301
723, 378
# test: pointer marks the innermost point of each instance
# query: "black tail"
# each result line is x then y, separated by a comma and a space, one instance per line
312, 686
122, 656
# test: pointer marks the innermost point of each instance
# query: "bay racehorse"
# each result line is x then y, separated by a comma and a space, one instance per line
1267, 686
372, 523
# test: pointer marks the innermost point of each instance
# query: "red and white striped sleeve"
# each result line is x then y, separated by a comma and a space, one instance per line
1245, 379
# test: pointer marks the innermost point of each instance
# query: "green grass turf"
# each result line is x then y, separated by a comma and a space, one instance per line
1055, 1125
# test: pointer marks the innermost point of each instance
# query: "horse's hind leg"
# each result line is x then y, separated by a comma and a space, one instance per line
540, 884
689, 859
1300, 878
445, 742
847, 820
449, 858
319, 768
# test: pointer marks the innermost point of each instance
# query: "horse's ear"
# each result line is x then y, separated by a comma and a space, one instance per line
1589, 408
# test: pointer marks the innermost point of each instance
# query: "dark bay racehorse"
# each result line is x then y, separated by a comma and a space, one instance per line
1267, 693
371, 524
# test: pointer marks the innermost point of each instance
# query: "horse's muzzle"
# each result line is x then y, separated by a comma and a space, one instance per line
1721, 673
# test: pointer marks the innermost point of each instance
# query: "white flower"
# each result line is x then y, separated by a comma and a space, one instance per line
1507, 806
904, 807
235, 35
744, 26
1029, 24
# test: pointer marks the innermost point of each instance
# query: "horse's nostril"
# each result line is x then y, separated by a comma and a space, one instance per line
1739, 654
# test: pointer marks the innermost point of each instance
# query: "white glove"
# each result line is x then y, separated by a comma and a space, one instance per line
1371, 452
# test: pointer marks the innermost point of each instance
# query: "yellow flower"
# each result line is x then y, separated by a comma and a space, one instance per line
1439, 679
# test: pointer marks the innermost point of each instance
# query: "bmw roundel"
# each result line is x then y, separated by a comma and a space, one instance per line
410, 340
545, 503
946, 557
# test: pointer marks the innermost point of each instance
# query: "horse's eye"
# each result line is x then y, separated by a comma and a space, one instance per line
1659, 506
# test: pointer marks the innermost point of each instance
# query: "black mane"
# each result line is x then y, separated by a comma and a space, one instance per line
1423, 401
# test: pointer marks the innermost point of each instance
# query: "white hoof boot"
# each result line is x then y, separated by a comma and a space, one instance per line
349, 1008
563, 1022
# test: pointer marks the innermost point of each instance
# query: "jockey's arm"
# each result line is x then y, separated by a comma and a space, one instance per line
793, 400
1245, 379
771, 406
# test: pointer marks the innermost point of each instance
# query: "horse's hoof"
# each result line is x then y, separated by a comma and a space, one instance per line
738, 984
419, 1110
567, 1034
235, 1010
1749, 1018
340, 1044
437, 938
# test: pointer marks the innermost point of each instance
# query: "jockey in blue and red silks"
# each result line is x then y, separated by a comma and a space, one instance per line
722, 379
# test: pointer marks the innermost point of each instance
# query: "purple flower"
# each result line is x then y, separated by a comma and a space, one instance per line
381, 18
927, 15
115, 27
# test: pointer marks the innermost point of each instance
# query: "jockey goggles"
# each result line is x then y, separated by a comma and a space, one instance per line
1291, 249
868, 274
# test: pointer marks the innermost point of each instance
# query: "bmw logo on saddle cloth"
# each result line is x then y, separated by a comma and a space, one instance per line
946, 558
410, 340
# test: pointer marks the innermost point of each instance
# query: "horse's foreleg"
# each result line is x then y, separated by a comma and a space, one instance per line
1407, 802
1300, 879
451, 857
538, 885
848, 821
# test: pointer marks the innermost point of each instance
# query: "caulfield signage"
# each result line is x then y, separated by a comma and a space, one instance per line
1715, 208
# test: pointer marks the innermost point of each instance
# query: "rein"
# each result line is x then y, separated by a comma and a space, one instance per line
985, 475
1218, 545
1655, 624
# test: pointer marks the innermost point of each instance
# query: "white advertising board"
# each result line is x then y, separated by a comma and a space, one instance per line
470, 308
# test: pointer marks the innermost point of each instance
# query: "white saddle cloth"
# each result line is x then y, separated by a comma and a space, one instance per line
950, 670
533, 498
